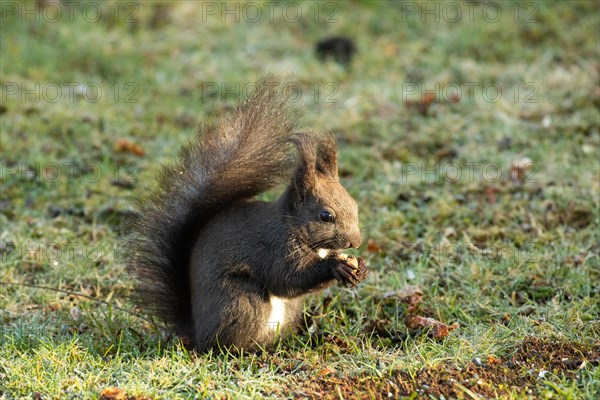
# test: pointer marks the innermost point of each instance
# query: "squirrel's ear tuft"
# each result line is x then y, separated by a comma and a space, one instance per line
305, 177
327, 161
317, 156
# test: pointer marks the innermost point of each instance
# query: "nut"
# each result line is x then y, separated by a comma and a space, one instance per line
350, 260
353, 261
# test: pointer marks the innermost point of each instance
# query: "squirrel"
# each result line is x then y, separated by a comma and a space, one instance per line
225, 270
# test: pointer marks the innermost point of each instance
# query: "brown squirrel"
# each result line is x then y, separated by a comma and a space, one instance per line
228, 271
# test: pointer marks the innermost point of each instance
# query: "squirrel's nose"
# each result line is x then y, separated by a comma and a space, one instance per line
354, 240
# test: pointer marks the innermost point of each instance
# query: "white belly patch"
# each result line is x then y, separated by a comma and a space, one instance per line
323, 253
277, 316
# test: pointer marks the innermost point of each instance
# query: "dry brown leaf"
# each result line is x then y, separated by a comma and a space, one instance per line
326, 371
438, 330
519, 168
491, 194
493, 360
113, 393
429, 98
411, 295
339, 342
422, 106
454, 97
127, 146
372, 247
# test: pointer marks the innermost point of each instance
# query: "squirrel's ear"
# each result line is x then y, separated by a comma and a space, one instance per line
327, 162
305, 177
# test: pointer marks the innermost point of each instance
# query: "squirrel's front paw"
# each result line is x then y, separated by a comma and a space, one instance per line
350, 271
362, 271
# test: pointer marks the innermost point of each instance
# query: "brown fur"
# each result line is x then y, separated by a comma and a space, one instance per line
210, 261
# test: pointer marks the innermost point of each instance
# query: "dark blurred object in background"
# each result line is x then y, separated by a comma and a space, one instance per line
338, 48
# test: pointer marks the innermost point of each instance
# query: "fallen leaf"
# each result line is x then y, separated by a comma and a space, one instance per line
491, 193
339, 342
372, 247
326, 371
438, 330
429, 98
127, 146
422, 106
519, 168
454, 97
113, 393
411, 295
493, 360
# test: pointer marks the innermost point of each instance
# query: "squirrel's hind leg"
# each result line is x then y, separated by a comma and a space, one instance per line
234, 316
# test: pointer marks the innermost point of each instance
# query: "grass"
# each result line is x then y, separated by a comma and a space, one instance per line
516, 264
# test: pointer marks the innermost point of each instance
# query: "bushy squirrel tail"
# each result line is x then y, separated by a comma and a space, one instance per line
240, 157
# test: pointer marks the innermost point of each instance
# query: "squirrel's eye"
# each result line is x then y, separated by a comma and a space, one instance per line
326, 216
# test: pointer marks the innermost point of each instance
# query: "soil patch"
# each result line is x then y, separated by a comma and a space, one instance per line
534, 361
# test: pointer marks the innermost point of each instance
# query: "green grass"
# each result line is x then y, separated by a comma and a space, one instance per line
516, 265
